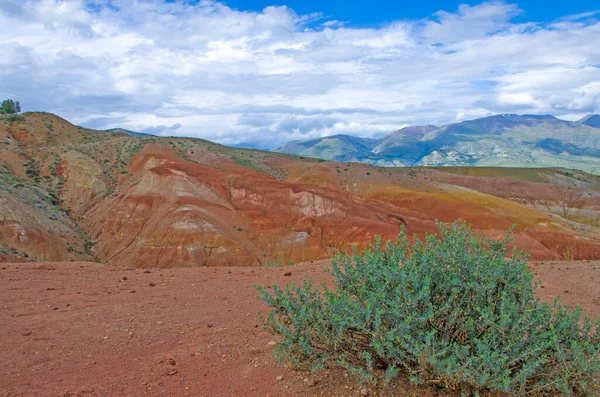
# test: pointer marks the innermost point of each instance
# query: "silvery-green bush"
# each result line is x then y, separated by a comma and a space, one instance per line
457, 310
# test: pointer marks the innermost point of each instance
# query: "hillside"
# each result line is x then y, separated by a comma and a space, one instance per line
127, 132
70, 193
500, 141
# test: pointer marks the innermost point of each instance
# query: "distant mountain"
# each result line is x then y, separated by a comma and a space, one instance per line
500, 140
593, 120
405, 144
338, 147
128, 132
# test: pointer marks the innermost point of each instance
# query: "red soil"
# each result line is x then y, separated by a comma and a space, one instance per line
85, 329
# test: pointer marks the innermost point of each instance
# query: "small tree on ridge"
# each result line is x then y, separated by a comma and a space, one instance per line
9, 106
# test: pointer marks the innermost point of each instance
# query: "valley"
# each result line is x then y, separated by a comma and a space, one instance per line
213, 198
72, 194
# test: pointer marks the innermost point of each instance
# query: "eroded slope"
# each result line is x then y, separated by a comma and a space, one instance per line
166, 202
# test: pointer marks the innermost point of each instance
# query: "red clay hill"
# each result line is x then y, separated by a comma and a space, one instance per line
69, 193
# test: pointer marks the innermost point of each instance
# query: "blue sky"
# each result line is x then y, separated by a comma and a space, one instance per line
377, 12
262, 73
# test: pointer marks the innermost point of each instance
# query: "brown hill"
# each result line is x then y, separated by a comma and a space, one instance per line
166, 202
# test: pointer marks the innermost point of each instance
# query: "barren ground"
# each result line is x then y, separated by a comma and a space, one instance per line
86, 329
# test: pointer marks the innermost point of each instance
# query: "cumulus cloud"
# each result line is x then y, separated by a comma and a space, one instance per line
263, 78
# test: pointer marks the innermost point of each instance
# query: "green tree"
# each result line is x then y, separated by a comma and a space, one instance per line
9, 106
458, 311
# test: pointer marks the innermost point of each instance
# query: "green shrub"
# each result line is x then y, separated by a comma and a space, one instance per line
32, 168
13, 118
458, 311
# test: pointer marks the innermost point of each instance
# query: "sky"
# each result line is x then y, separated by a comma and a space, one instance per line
258, 73
374, 13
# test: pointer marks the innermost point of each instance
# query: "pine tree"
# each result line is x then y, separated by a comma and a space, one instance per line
9, 106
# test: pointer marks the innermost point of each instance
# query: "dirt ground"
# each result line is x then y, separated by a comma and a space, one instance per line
86, 329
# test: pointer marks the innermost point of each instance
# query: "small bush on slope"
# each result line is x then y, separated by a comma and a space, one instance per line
457, 311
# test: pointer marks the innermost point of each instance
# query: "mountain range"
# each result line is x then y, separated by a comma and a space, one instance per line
500, 141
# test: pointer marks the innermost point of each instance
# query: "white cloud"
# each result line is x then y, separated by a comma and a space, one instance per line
469, 22
235, 76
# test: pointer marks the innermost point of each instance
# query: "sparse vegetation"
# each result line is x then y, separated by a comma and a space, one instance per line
12, 118
457, 311
245, 163
32, 168
563, 200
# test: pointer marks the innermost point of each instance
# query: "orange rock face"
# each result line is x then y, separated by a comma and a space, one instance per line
167, 202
